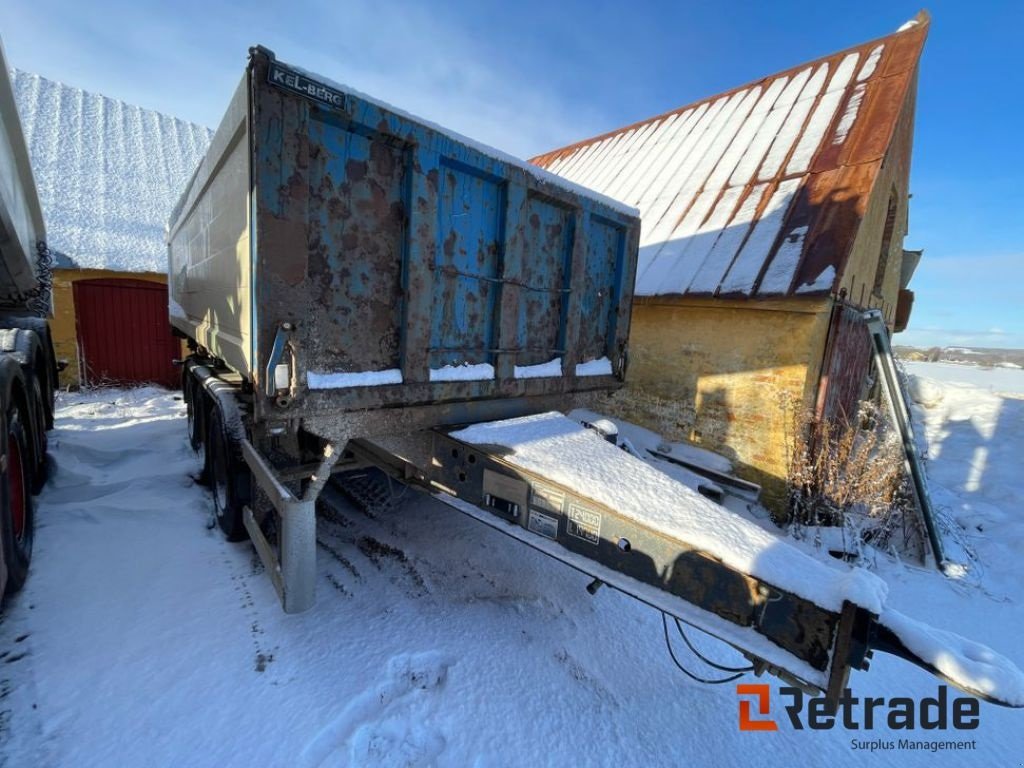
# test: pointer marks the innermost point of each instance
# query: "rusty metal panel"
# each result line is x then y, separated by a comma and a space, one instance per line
542, 251
390, 263
803, 215
838, 200
606, 246
879, 112
356, 240
467, 278
847, 364
905, 51
904, 304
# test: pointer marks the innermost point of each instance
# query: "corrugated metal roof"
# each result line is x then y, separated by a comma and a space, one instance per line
108, 173
757, 192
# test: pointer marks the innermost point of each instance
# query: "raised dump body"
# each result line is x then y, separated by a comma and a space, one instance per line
21, 218
28, 368
341, 255
344, 270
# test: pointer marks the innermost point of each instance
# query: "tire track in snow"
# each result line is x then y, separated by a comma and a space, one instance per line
361, 544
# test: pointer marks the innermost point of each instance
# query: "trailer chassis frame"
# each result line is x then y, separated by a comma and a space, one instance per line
292, 567
808, 645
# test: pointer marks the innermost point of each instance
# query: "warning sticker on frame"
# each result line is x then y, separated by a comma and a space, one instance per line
548, 499
545, 525
583, 524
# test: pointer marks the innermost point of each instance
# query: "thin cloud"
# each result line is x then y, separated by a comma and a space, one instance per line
410, 56
946, 337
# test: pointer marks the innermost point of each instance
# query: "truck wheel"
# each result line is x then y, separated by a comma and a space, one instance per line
228, 476
18, 514
51, 379
193, 394
40, 462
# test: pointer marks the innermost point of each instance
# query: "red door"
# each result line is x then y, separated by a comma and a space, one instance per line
124, 336
848, 360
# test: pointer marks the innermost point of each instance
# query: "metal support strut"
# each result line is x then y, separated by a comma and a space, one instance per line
900, 415
294, 574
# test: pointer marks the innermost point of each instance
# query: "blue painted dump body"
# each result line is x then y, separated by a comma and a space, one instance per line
393, 246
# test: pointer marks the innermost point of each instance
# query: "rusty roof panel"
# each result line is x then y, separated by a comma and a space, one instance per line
883, 101
843, 193
758, 191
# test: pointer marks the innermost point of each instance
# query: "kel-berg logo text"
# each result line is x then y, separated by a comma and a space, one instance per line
293, 81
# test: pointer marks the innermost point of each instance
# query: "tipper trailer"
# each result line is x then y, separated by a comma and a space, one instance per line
28, 367
362, 289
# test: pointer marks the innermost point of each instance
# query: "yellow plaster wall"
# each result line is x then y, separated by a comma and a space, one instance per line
62, 327
720, 374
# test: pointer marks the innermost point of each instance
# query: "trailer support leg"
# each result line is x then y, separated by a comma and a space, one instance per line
294, 572
298, 556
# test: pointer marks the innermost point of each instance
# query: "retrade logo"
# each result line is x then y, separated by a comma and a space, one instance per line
854, 713
762, 693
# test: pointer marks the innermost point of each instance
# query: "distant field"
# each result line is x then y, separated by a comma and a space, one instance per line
1009, 380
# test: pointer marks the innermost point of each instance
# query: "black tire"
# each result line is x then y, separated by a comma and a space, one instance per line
51, 379
16, 509
45, 371
192, 391
228, 475
40, 466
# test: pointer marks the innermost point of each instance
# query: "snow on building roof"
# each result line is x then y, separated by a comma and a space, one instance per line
759, 191
108, 173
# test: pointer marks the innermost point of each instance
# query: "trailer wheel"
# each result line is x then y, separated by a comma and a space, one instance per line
228, 476
40, 460
16, 498
193, 394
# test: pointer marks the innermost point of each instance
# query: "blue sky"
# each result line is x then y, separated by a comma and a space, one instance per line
531, 76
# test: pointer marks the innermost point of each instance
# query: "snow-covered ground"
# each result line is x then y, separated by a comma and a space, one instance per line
1001, 379
144, 639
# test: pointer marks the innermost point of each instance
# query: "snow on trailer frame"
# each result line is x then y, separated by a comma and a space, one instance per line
558, 487
342, 269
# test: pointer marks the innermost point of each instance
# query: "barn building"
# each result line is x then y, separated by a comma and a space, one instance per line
108, 175
772, 214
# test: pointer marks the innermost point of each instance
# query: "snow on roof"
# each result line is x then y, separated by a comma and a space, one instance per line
735, 190
108, 173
